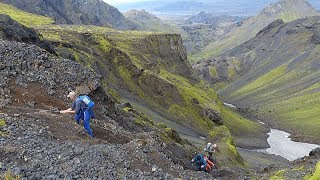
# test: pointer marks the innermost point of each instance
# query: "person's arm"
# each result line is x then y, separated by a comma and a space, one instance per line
73, 109
68, 111
204, 164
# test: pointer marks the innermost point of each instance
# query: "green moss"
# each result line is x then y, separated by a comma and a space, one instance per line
104, 44
2, 122
23, 17
170, 135
213, 71
143, 120
231, 73
279, 175
302, 168
261, 81
315, 175
162, 125
222, 137
238, 124
127, 109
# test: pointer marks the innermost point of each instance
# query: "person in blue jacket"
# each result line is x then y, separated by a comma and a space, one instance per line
82, 108
199, 162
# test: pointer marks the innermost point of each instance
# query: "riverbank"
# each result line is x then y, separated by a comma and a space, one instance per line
272, 123
279, 142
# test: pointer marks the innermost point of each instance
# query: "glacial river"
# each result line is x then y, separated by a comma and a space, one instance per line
282, 145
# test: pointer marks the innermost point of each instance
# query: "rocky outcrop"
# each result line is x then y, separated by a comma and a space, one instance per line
47, 146
93, 12
30, 64
14, 31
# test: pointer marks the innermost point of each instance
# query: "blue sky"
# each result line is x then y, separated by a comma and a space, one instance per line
113, 2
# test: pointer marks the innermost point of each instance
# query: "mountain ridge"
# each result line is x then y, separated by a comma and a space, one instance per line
287, 10
94, 12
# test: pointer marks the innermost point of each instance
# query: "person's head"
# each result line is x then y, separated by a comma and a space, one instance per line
199, 157
72, 95
208, 145
214, 145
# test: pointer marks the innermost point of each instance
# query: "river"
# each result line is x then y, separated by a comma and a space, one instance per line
282, 145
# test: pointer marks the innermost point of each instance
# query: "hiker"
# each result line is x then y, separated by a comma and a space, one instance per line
211, 148
82, 108
200, 162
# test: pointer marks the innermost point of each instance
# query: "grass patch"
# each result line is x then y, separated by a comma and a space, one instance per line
315, 175
279, 175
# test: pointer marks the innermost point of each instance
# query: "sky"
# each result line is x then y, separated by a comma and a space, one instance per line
113, 2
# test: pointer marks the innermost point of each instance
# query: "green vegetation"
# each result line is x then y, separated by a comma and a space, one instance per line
131, 63
279, 175
23, 17
261, 81
315, 175
227, 147
2, 123
213, 71
238, 124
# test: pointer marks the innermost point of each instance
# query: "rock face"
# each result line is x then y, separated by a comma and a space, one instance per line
93, 12
13, 31
287, 10
273, 73
30, 64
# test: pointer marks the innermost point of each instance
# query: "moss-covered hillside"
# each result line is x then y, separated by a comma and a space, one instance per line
150, 71
280, 77
92, 12
287, 10
23, 17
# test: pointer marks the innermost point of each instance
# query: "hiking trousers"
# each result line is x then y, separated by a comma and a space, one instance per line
85, 115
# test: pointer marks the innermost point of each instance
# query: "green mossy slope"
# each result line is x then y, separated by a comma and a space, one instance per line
281, 84
23, 17
150, 69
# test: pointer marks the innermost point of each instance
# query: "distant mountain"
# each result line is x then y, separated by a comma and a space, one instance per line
210, 18
219, 7
88, 12
287, 10
275, 75
149, 22
142, 15
203, 28
181, 6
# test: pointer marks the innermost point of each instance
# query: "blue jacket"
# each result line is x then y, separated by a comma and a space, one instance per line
199, 160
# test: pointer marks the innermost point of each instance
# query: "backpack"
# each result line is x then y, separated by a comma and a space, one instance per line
87, 101
199, 159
